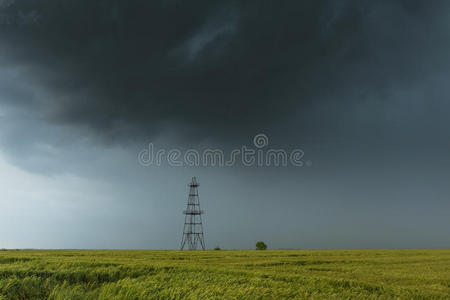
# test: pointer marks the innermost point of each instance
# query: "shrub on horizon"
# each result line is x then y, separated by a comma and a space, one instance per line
261, 245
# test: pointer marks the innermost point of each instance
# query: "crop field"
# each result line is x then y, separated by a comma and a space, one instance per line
271, 274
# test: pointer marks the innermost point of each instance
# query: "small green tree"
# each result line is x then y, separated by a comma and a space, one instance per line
261, 245
217, 248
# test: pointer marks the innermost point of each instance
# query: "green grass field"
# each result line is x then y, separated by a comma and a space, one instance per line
312, 274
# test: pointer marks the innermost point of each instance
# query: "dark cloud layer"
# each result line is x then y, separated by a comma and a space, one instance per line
360, 85
121, 67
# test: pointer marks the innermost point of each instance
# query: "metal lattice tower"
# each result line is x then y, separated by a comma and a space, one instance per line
193, 228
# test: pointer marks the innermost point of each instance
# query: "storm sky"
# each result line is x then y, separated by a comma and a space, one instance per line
361, 87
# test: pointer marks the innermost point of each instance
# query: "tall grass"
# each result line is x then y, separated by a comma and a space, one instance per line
344, 274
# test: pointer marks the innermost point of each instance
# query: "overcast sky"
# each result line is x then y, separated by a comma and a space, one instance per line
362, 88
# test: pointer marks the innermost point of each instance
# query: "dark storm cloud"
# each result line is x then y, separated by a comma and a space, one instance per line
360, 86
121, 67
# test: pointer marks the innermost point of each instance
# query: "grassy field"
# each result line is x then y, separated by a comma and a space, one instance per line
315, 274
